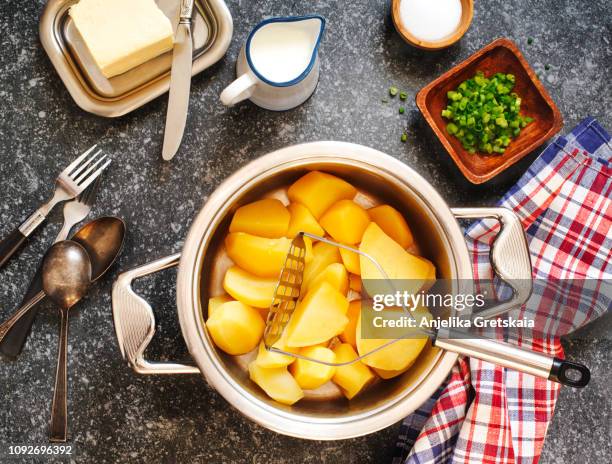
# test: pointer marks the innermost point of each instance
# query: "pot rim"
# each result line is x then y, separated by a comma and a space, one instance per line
189, 306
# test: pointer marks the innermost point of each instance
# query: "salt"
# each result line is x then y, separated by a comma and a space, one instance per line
431, 20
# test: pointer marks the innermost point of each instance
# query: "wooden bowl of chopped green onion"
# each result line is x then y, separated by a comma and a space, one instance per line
489, 111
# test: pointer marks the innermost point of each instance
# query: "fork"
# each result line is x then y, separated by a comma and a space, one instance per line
74, 212
78, 209
71, 182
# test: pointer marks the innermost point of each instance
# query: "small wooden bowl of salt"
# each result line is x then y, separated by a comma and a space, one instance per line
432, 24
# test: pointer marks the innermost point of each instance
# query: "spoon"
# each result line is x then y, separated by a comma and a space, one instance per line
66, 276
103, 239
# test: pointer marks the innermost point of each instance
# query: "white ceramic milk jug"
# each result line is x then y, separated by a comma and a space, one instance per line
278, 67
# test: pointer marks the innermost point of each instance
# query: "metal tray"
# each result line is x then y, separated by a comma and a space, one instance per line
212, 33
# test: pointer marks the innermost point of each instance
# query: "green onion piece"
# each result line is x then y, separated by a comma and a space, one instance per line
404, 137
403, 96
401, 110
393, 91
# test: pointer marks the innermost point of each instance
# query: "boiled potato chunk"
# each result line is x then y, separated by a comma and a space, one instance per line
323, 255
351, 378
319, 190
345, 221
277, 382
308, 255
248, 288
355, 283
318, 317
336, 275
264, 218
216, 301
268, 359
393, 224
384, 374
350, 260
397, 356
235, 327
310, 375
302, 220
349, 334
261, 256
414, 272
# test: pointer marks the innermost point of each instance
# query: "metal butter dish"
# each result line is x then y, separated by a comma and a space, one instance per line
212, 32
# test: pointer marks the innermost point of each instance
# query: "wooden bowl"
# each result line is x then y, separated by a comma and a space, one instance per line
501, 55
466, 19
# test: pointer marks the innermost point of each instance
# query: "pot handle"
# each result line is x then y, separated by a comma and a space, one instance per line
509, 255
135, 322
513, 357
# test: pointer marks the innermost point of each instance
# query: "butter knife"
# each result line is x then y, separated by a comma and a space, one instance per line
180, 81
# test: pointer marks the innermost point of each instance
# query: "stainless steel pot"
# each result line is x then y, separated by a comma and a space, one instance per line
322, 415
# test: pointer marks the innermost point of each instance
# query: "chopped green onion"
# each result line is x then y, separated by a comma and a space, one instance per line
529, 40
404, 137
484, 113
401, 110
403, 96
393, 91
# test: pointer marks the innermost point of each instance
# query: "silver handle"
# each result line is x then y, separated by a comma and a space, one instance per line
186, 11
513, 357
135, 321
509, 255
496, 352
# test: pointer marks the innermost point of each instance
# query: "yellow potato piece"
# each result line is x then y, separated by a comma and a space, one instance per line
264, 218
384, 374
393, 224
310, 375
345, 221
349, 334
350, 260
336, 275
322, 256
216, 301
261, 256
318, 317
302, 220
308, 256
398, 356
235, 327
351, 378
268, 359
355, 283
277, 382
319, 190
411, 272
248, 288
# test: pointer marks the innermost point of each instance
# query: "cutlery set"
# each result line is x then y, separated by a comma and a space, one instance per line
68, 268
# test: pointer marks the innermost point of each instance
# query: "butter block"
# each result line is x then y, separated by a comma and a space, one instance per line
122, 34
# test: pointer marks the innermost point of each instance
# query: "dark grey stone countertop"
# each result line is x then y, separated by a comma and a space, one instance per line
118, 416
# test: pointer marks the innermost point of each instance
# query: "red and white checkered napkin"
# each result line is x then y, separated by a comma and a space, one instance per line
489, 414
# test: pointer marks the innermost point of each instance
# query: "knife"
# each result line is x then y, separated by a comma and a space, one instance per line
180, 81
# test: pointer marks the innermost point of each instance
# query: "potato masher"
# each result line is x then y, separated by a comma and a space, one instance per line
287, 295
